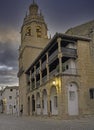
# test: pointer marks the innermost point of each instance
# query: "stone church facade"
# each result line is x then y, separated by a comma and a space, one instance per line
56, 76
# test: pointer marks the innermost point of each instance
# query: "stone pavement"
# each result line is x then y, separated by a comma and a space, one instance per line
28, 123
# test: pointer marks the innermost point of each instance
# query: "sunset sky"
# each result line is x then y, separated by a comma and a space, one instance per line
59, 15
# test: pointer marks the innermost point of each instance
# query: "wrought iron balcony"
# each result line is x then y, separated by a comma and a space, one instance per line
69, 52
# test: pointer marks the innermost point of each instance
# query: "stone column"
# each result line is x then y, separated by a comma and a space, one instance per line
30, 80
59, 54
35, 104
60, 97
47, 66
40, 74
48, 103
41, 103
35, 75
31, 105
59, 44
60, 62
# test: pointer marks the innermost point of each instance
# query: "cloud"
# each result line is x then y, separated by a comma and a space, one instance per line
9, 43
9, 35
8, 77
4, 67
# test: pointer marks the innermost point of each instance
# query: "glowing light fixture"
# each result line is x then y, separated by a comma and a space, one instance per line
54, 82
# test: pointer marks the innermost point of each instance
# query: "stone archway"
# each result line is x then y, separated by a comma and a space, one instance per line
33, 104
53, 101
72, 98
44, 102
38, 106
28, 106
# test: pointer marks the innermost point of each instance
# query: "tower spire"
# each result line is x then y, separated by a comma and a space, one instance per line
33, 8
33, 1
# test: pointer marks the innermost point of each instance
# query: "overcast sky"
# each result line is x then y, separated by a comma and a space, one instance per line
59, 15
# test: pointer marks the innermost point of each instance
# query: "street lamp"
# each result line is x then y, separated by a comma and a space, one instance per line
54, 82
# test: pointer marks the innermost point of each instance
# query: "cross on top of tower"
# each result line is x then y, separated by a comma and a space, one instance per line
33, 1
33, 8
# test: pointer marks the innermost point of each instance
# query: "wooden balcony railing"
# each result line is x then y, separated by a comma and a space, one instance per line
43, 66
52, 73
53, 55
69, 52
44, 79
37, 70
38, 83
33, 85
33, 74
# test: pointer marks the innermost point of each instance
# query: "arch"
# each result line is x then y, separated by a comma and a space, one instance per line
28, 31
44, 102
72, 92
28, 106
73, 80
33, 104
38, 106
53, 101
38, 30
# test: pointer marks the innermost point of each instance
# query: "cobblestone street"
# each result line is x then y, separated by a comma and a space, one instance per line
28, 123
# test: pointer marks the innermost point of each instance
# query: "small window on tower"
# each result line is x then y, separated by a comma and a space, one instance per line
28, 32
38, 30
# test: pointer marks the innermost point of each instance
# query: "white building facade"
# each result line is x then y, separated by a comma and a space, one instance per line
10, 97
1, 102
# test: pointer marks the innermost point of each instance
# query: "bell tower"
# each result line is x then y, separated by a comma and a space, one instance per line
33, 39
34, 26
33, 35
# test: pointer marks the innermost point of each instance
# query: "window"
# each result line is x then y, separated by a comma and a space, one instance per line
28, 31
11, 89
67, 67
10, 97
91, 92
38, 30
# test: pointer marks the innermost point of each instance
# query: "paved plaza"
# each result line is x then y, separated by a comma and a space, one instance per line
28, 123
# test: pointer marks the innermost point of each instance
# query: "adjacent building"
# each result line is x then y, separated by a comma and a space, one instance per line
56, 76
10, 98
1, 102
86, 30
